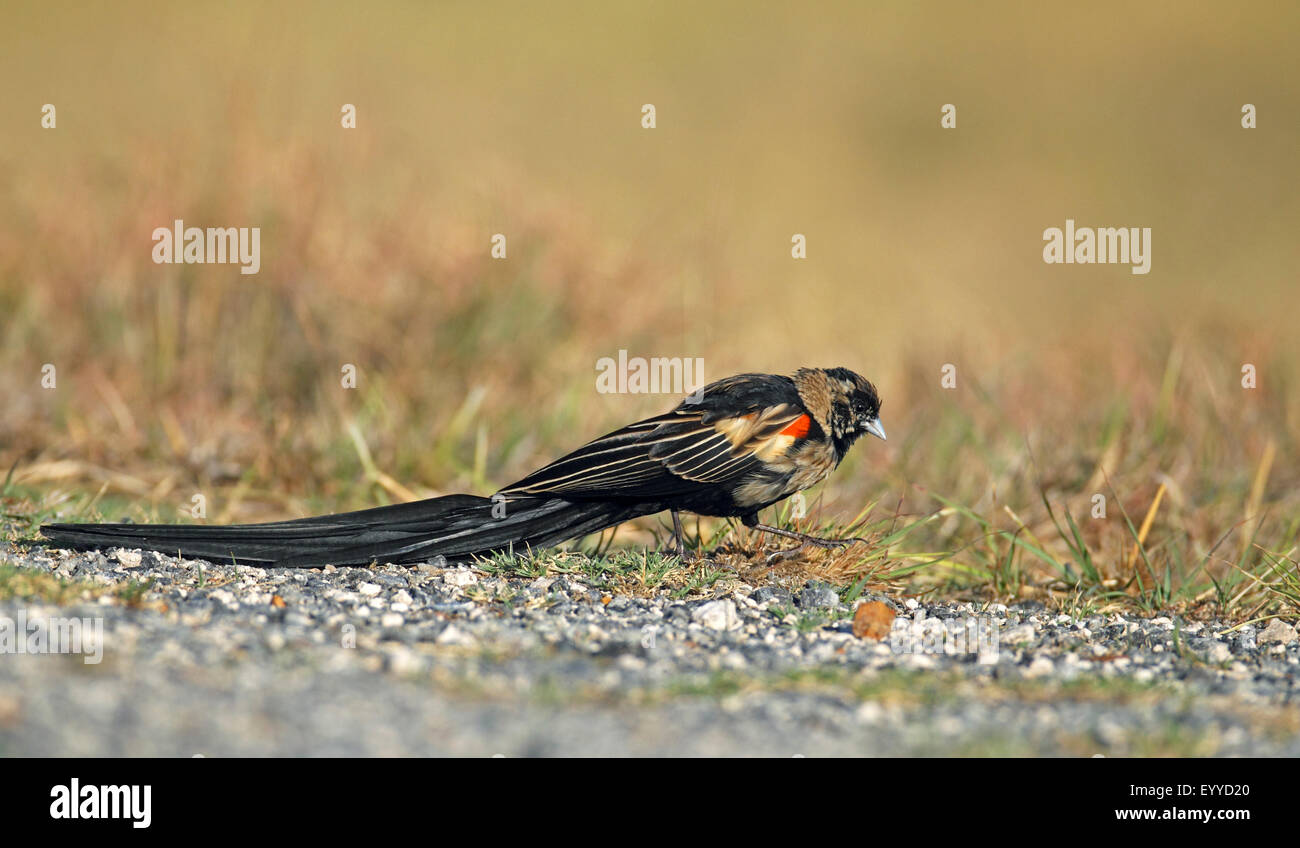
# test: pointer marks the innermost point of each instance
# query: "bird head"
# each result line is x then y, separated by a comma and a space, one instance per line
854, 407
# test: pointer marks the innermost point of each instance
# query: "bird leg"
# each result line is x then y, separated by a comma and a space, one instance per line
678, 548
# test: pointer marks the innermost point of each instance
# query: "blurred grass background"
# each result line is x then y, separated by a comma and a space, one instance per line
924, 248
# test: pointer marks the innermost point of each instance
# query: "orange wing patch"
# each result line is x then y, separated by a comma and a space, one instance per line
765, 434
798, 428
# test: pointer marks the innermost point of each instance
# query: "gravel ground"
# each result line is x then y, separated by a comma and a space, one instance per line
224, 660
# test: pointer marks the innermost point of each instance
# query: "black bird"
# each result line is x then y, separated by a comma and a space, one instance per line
734, 447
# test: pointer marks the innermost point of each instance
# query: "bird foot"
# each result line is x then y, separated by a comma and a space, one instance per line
805, 539
834, 543
778, 557
681, 553
678, 549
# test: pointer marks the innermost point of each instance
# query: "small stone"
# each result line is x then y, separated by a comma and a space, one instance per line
460, 577
368, 589
1018, 634
717, 615
453, 635
1040, 667
129, 559
773, 594
873, 620
391, 619
818, 596
1278, 631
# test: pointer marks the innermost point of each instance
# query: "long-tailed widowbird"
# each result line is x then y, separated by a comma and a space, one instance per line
734, 447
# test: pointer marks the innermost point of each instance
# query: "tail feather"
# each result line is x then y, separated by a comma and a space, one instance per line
455, 527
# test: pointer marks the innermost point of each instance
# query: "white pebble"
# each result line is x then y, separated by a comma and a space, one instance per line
717, 615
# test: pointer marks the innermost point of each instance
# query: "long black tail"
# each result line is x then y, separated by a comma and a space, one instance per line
454, 527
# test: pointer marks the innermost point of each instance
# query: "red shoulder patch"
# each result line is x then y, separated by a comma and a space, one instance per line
798, 427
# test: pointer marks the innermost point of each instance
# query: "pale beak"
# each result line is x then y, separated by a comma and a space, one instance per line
875, 428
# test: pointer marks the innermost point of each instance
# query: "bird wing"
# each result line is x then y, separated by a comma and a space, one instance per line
672, 454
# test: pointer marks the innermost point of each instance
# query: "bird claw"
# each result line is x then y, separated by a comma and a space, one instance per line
782, 556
